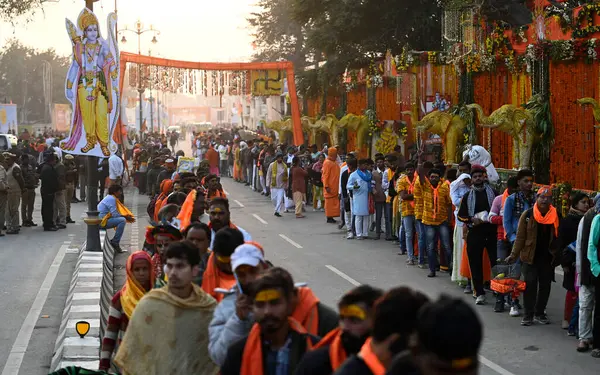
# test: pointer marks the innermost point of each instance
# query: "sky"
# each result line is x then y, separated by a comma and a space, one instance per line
191, 30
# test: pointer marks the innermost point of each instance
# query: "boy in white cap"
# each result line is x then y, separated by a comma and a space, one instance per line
232, 321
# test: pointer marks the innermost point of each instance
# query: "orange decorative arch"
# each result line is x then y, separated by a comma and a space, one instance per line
288, 66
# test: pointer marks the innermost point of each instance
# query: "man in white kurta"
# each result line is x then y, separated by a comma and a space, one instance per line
277, 179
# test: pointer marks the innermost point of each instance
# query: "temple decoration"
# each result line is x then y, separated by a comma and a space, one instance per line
388, 140
326, 124
595, 107
358, 124
92, 87
516, 121
446, 125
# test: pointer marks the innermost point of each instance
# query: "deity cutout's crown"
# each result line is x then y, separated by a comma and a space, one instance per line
86, 19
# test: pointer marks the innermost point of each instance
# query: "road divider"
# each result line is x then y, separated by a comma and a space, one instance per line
260, 219
83, 303
295, 244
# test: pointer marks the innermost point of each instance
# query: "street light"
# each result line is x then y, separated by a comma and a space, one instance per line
139, 30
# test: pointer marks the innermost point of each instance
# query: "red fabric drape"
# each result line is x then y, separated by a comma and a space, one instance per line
574, 155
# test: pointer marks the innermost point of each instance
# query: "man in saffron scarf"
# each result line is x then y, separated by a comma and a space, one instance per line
395, 318
193, 209
168, 332
356, 322
233, 318
474, 211
166, 187
277, 341
114, 214
331, 185
218, 277
277, 179
537, 246
140, 280
213, 187
220, 217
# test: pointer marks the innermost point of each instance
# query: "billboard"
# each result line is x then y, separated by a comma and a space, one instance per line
61, 117
8, 118
92, 86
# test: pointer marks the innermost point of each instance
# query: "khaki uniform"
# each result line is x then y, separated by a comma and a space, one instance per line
3, 196
15, 181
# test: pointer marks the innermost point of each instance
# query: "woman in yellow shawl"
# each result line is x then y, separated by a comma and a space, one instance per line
140, 279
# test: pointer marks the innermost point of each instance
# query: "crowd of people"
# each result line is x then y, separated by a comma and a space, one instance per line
201, 283
202, 298
40, 163
447, 220
443, 219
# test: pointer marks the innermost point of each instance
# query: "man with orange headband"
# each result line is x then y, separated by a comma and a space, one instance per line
277, 341
140, 280
537, 246
331, 185
356, 322
395, 318
233, 317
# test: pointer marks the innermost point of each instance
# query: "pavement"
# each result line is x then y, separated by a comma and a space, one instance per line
35, 272
318, 253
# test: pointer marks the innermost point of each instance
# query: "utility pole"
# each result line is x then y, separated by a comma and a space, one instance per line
139, 30
92, 220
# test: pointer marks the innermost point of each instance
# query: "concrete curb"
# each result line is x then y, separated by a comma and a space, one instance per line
86, 292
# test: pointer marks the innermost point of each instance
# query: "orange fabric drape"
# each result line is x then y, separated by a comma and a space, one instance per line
574, 154
357, 100
214, 278
306, 311
337, 354
465, 269
385, 101
493, 90
252, 359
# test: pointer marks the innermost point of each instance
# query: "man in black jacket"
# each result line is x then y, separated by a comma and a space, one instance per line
395, 320
356, 322
49, 179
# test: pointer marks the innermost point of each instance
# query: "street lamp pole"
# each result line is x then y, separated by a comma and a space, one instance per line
92, 220
139, 30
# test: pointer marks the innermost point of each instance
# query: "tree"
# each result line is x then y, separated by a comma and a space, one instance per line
277, 35
11, 9
22, 80
343, 33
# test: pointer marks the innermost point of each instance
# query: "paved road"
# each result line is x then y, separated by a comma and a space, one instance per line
25, 276
318, 253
